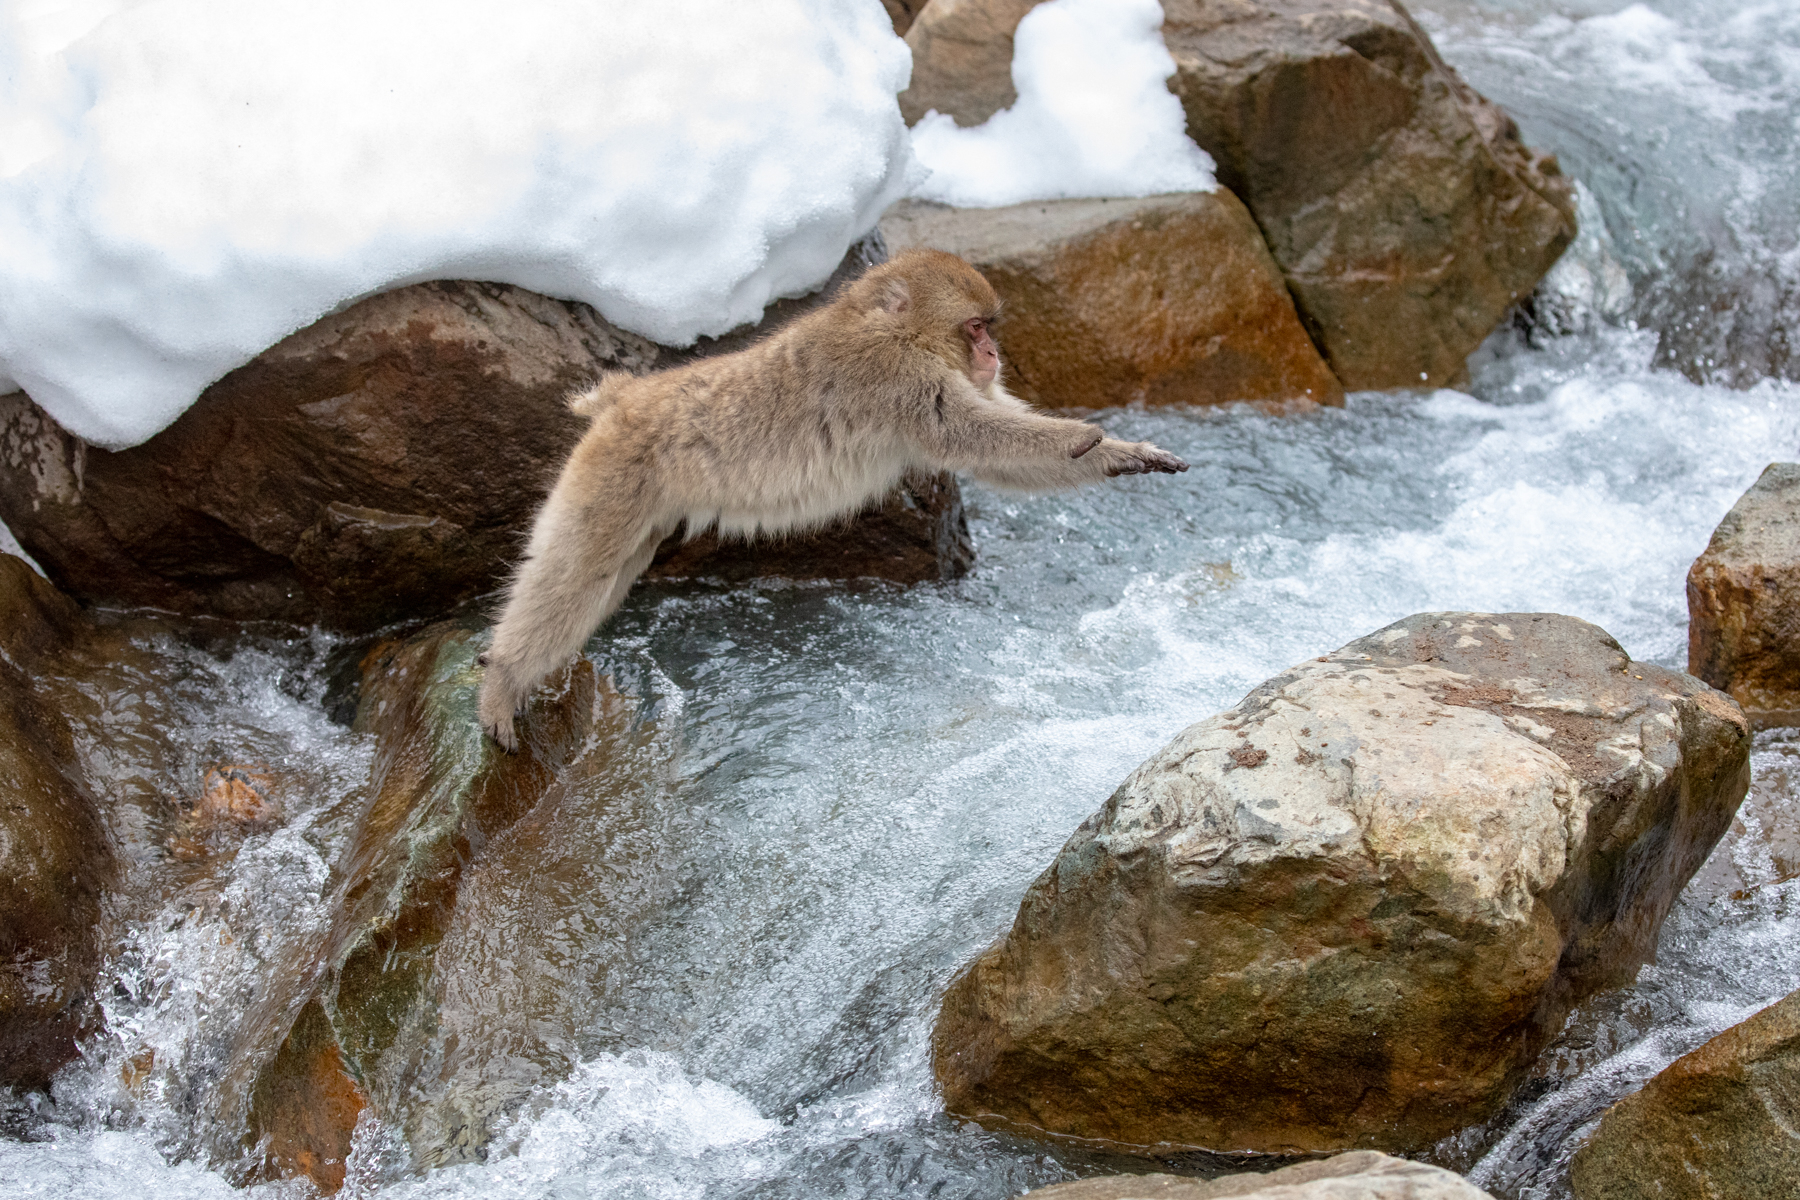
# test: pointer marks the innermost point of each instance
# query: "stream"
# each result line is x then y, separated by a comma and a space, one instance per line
712, 970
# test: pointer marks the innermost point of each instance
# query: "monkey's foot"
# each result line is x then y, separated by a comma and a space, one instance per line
495, 710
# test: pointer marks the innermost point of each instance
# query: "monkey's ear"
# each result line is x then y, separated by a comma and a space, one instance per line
895, 298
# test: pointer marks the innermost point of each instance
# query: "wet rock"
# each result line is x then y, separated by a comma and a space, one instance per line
962, 59
1403, 208
1717, 1122
1167, 299
1358, 1175
1348, 912
382, 464
55, 861
1744, 601
439, 792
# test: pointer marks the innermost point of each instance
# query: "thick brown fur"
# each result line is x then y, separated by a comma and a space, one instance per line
813, 423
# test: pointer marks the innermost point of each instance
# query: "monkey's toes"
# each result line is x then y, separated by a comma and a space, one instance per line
502, 732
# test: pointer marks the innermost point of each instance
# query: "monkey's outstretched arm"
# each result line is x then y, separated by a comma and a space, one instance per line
593, 539
1009, 445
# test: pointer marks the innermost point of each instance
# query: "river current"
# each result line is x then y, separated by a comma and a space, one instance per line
713, 971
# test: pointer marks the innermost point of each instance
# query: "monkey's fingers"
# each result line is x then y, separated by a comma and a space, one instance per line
1160, 460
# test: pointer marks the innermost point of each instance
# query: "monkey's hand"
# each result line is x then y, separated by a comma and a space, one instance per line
1138, 458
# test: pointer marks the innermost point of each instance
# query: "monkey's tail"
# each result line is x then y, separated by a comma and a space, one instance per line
600, 397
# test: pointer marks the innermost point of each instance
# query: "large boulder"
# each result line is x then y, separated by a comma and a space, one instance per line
1404, 209
1744, 601
1718, 1122
1358, 1175
1167, 299
55, 860
1348, 912
382, 464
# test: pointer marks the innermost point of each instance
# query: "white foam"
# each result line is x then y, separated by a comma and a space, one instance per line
184, 182
1093, 118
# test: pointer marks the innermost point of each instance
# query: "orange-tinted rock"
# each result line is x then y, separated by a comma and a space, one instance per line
1349, 911
1744, 601
1405, 212
236, 794
1161, 300
962, 59
1719, 1122
306, 1104
55, 860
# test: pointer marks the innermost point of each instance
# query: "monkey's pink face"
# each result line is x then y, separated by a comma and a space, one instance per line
984, 356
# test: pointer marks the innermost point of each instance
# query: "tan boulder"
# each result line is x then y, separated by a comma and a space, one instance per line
1718, 1122
382, 464
1406, 214
55, 859
1160, 300
1348, 912
1744, 601
962, 59
1358, 1175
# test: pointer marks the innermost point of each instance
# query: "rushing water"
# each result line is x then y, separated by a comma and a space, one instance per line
714, 971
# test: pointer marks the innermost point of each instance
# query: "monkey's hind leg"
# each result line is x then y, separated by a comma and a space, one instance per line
561, 596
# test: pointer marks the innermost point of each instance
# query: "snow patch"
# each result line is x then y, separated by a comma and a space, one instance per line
1094, 116
185, 182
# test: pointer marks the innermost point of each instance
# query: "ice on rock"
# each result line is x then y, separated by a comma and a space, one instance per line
1094, 116
184, 182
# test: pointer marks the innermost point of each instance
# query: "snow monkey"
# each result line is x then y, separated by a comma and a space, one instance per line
810, 424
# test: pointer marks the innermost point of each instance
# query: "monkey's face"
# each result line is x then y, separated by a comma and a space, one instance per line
984, 355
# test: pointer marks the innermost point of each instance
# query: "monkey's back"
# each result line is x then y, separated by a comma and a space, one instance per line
767, 440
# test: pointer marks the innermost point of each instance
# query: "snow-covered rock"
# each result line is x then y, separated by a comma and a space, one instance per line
183, 183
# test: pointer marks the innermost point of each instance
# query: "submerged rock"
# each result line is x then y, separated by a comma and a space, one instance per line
1405, 211
382, 464
1167, 299
55, 860
1744, 601
1718, 1122
1349, 911
1358, 1175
